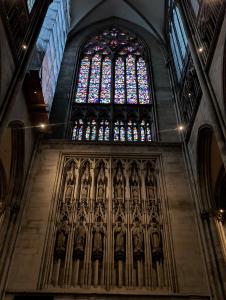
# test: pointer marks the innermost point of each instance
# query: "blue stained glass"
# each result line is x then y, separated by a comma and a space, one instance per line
142, 82
135, 133
122, 134
88, 131
94, 130
149, 138
95, 80
107, 133
119, 81
83, 81
129, 132
116, 132
77, 131
142, 134
104, 131
101, 133
74, 134
106, 81
145, 132
80, 130
131, 80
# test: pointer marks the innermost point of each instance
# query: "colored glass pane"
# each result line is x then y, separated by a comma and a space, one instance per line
129, 132
77, 131
107, 133
116, 132
119, 81
135, 133
142, 134
142, 82
88, 130
122, 132
106, 81
94, 85
149, 138
74, 134
131, 80
83, 81
94, 130
101, 133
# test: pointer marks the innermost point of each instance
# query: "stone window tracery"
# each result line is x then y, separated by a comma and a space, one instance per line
114, 76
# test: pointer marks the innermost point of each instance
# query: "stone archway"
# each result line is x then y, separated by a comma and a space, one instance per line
224, 76
3, 189
210, 167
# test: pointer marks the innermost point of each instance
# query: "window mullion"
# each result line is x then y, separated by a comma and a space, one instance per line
88, 83
125, 79
137, 83
100, 81
111, 125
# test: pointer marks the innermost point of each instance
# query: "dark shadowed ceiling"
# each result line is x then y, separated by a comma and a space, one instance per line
149, 14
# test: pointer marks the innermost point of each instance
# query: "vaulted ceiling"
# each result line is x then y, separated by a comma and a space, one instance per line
149, 14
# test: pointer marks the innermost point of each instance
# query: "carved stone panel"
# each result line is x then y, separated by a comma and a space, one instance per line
108, 227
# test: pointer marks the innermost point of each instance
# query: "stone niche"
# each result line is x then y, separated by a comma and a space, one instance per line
108, 225
115, 220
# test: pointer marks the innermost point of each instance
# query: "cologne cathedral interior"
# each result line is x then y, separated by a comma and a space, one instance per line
112, 149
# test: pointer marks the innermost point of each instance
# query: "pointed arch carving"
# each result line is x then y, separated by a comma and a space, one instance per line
212, 214
113, 94
109, 228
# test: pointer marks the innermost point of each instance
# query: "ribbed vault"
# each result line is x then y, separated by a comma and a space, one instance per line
147, 14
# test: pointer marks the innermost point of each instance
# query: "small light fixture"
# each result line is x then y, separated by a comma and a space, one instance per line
180, 128
189, 94
42, 126
221, 211
24, 47
35, 92
200, 49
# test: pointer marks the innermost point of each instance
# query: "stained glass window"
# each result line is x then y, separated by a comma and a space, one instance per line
104, 131
131, 80
119, 131
106, 81
113, 86
142, 82
94, 85
145, 131
91, 130
100, 131
132, 131
78, 131
113, 52
120, 81
83, 81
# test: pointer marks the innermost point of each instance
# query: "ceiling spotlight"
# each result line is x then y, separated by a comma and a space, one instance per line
201, 49
24, 46
35, 92
221, 211
42, 125
189, 94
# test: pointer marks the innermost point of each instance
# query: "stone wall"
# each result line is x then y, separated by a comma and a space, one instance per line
187, 276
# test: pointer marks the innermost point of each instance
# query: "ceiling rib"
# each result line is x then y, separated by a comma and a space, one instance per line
132, 6
88, 13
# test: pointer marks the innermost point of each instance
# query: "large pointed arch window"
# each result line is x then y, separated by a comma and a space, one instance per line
113, 76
